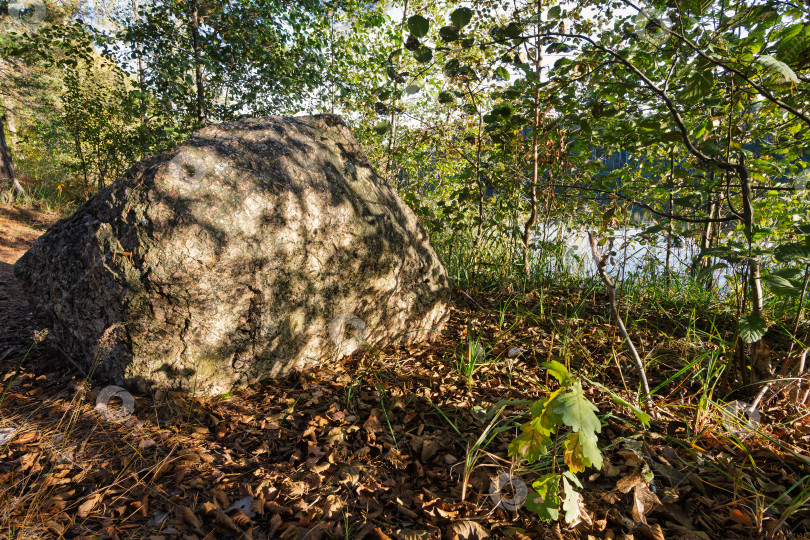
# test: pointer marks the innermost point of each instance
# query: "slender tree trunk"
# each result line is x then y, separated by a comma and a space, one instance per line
669, 244
78, 142
756, 369
558, 157
6, 163
102, 176
6, 104
139, 53
705, 236
12, 141
331, 63
713, 235
479, 183
705, 243
669, 223
800, 310
198, 75
599, 264
527, 229
754, 272
789, 367
392, 139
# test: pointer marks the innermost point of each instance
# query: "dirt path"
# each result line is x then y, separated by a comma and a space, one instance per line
18, 230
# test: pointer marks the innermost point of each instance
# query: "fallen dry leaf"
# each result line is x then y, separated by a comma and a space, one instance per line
648, 532
372, 423
189, 517
740, 517
55, 528
626, 483
644, 500
87, 506
467, 530
411, 534
188, 455
224, 522
26, 438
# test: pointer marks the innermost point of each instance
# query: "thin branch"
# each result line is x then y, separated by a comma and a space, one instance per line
668, 103
759, 88
661, 213
600, 263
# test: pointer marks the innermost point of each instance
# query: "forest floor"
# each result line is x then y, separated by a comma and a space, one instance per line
376, 446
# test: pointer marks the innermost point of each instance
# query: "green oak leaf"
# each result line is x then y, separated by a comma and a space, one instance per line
533, 442
578, 412
543, 499
572, 503
558, 371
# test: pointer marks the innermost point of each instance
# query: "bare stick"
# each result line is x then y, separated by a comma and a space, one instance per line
799, 375
600, 263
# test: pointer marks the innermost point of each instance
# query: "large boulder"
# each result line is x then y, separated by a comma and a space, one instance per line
255, 248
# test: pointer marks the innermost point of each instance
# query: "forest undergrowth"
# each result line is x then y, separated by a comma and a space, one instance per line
408, 442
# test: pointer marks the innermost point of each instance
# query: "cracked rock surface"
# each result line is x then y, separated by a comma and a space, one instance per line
254, 248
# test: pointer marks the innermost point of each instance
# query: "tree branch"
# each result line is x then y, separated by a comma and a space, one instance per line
758, 87
661, 213
599, 264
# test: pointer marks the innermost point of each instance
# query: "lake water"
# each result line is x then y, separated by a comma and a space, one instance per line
633, 254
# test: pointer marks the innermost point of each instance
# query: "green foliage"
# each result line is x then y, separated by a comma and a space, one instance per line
472, 357
794, 252
751, 328
461, 17
571, 498
558, 371
98, 108
566, 406
578, 412
780, 67
418, 26
544, 498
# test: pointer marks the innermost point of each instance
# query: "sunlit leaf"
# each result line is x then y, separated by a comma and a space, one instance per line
572, 503
558, 371
580, 453
544, 500
777, 65
533, 441
577, 412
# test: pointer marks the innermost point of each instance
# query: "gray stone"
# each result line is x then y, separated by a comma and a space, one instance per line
255, 248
